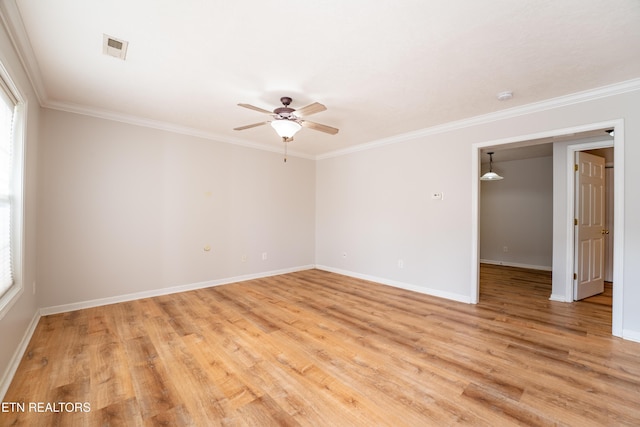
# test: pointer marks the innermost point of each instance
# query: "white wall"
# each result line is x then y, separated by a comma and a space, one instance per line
375, 204
127, 209
18, 319
517, 213
376, 207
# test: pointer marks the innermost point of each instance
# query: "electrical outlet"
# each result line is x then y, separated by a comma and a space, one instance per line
505, 249
400, 263
243, 258
264, 256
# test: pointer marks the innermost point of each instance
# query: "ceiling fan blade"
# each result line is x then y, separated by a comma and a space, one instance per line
253, 107
318, 126
310, 109
250, 126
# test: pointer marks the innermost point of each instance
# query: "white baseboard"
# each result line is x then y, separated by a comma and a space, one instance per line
401, 285
559, 298
166, 291
631, 335
516, 264
7, 377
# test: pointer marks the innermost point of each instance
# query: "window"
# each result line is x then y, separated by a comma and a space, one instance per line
11, 197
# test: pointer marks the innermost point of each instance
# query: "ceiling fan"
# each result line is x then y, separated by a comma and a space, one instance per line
287, 121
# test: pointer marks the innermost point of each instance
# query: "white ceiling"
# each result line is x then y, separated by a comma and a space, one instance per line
382, 68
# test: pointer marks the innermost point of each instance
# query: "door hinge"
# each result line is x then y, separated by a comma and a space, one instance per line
575, 167
575, 221
575, 276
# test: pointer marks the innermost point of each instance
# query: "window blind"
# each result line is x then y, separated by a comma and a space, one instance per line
7, 115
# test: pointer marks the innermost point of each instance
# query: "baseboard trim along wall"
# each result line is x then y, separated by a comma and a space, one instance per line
516, 264
7, 377
166, 291
559, 298
401, 285
630, 335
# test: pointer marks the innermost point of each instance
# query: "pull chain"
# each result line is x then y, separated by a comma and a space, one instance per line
284, 140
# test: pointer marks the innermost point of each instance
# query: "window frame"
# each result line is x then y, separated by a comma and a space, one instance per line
7, 84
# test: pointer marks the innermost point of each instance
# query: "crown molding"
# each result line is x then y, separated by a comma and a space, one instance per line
549, 104
12, 21
166, 126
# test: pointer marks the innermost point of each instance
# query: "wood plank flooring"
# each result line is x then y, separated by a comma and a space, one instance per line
319, 349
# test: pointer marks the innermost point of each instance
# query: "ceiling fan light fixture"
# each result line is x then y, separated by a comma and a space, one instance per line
286, 120
286, 128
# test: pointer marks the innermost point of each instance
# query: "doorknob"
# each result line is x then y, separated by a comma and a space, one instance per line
604, 232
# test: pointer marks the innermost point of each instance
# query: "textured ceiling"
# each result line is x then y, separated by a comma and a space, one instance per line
382, 68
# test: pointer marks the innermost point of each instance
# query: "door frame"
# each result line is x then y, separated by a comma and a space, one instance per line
562, 242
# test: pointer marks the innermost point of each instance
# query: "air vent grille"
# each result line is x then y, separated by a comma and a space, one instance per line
114, 47
114, 44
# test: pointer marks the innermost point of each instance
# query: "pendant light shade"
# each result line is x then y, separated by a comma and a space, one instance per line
286, 128
491, 175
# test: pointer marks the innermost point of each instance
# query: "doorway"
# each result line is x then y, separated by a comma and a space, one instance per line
565, 146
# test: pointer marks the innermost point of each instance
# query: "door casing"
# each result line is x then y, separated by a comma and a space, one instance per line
563, 242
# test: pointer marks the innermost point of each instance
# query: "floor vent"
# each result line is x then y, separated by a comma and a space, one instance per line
114, 47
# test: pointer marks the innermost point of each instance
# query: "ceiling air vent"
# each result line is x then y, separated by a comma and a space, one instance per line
114, 47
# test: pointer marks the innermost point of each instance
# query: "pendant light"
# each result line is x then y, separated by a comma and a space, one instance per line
491, 175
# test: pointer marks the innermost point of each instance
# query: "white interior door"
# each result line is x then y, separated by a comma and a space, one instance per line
590, 226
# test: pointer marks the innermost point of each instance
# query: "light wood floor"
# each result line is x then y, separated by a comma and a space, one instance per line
316, 348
